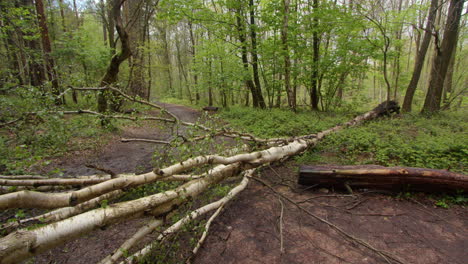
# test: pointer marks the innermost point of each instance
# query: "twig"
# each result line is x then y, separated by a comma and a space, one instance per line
128, 97
205, 234
281, 226
105, 170
320, 196
357, 203
385, 255
145, 140
10, 122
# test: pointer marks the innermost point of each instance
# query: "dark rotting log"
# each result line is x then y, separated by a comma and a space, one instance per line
373, 176
387, 107
211, 108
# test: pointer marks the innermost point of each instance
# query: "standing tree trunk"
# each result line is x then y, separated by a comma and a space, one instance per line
112, 71
449, 78
314, 93
291, 92
195, 75
245, 62
135, 22
46, 47
167, 58
443, 54
76, 14
421, 54
253, 39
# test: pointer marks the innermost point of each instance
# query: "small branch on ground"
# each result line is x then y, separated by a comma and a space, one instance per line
281, 226
155, 141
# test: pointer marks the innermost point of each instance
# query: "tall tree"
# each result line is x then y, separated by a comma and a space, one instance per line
112, 72
253, 39
245, 61
291, 91
136, 32
443, 54
314, 93
421, 54
46, 47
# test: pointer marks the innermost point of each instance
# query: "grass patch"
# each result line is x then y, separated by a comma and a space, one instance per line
268, 123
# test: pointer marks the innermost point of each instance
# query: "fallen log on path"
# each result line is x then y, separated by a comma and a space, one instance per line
373, 176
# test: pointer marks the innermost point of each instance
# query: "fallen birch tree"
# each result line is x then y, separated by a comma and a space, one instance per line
24, 243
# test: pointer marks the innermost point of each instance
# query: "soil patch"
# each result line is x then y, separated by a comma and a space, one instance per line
414, 231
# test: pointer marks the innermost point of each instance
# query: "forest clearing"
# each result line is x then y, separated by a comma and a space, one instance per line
167, 131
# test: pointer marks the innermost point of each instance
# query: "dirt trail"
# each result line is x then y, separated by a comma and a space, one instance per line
248, 229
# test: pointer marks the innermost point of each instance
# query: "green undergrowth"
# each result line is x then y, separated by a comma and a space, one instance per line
33, 139
439, 142
275, 122
178, 101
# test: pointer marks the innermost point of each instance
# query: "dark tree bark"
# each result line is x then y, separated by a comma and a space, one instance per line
46, 47
314, 93
253, 39
112, 71
421, 54
443, 54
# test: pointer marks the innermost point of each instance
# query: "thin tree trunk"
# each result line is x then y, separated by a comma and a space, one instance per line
314, 93
210, 84
195, 76
76, 13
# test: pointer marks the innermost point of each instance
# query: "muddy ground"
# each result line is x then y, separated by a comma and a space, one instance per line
248, 231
